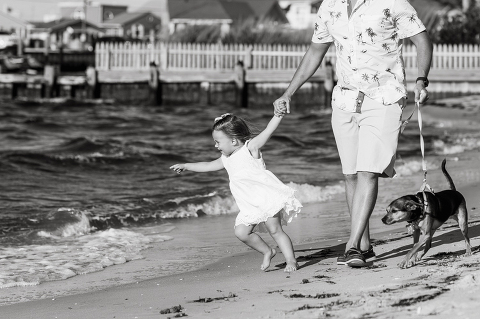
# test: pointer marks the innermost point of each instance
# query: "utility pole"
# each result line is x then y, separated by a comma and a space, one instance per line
84, 25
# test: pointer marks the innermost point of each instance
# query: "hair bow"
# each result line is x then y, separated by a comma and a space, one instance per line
221, 117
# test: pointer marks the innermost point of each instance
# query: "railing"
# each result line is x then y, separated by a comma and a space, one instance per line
181, 56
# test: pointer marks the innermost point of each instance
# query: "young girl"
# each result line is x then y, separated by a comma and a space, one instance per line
262, 198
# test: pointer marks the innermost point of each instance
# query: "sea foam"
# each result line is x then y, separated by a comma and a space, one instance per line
215, 205
68, 257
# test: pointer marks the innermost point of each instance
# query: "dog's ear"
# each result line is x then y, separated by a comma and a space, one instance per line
411, 205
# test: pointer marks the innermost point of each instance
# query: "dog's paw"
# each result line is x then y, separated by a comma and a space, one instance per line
407, 263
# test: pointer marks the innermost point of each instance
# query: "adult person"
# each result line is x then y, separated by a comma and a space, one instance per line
369, 97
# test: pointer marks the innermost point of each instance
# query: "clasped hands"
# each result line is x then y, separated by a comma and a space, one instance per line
281, 106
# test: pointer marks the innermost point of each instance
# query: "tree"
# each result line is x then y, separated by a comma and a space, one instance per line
457, 27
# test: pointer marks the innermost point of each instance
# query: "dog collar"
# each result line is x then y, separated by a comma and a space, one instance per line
411, 227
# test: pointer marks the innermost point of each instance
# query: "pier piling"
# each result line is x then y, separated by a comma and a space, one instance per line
93, 86
241, 88
155, 85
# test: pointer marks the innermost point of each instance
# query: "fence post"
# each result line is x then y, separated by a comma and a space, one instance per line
93, 87
248, 57
107, 57
155, 85
241, 88
163, 55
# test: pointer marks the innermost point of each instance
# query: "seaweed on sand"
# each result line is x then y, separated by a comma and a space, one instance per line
414, 300
208, 299
317, 296
174, 309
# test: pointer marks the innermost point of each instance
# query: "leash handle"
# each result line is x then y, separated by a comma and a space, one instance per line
425, 185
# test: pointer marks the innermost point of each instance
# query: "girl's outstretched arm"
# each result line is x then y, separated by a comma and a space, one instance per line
199, 167
261, 139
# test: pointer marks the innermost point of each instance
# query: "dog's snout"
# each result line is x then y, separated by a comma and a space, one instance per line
384, 219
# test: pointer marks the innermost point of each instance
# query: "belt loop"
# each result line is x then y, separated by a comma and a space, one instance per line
359, 102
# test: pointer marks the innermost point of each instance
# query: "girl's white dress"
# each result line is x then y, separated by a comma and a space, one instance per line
258, 193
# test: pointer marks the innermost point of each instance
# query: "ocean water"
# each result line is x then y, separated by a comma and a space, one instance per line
86, 187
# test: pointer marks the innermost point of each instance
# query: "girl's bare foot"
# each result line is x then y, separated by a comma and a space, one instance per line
291, 266
267, 258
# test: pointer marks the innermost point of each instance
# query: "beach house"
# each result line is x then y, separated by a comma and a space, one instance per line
134, 25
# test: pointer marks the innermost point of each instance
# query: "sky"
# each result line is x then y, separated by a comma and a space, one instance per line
34, 10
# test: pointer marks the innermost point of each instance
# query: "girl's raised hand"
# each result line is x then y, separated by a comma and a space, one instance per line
178, 168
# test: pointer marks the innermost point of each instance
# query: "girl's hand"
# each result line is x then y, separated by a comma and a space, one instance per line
282, 105
279, 114
178, 168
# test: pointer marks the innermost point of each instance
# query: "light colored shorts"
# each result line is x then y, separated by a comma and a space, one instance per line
367, 141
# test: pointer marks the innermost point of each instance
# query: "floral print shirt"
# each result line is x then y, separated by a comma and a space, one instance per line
368, 47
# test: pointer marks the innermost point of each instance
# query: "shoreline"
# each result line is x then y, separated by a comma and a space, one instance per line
233, 286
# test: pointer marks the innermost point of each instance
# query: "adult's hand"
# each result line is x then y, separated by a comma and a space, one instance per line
282, 105
421, 93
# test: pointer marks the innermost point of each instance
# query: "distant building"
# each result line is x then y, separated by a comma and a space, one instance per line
12, 29
222, 12
93, 12
134, 25
160, 9
70, 34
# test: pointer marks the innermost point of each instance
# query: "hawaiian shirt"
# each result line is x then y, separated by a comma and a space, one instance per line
368, 47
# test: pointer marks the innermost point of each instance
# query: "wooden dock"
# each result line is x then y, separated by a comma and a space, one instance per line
123, 70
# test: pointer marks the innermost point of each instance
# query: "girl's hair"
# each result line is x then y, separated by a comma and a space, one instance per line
233, 126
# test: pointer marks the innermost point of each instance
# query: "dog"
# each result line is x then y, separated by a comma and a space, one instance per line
425, 212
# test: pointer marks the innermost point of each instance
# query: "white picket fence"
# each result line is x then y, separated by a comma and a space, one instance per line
223, 57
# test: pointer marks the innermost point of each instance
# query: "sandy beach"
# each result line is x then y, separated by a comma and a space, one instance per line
444, 284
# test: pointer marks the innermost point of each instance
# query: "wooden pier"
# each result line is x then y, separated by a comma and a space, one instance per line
150, 69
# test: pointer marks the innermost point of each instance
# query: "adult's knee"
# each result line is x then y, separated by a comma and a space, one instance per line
351, 178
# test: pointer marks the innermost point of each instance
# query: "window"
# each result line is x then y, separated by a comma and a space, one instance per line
78, 14
109, 15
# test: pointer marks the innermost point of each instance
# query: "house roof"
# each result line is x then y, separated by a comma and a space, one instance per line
260, 7
221, 9
127, 17
8, 22
197, 9
63, 24
237, 10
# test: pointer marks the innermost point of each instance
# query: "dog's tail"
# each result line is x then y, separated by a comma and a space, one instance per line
444, 170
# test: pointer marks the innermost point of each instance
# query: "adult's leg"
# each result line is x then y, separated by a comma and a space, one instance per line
350, 187
379, 127
247, 236
362, 205
274, 227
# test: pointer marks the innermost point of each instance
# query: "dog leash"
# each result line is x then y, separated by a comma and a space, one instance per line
422, 148
425, 185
